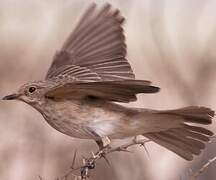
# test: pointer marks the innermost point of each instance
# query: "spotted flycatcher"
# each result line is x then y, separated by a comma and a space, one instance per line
90, 76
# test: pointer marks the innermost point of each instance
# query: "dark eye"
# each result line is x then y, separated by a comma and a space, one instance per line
32, 89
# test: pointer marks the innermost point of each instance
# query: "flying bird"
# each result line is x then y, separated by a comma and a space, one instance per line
90, 76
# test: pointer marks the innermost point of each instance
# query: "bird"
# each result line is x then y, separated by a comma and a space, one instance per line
90, 79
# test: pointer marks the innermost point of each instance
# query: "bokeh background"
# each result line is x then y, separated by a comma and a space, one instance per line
170, 42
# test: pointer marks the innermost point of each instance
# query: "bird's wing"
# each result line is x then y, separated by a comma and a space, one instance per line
95, 50
92, 61
119, 91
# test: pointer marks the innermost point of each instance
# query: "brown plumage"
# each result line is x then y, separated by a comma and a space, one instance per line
90, 73
186, 140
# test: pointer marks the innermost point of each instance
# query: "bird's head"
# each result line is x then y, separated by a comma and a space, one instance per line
30, 93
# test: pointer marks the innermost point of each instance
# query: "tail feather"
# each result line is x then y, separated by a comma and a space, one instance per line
187, 133
185, 140
172, 147
199, 130
192, 143
193, 114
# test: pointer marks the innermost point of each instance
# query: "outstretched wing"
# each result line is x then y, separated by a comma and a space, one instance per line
119, 91
92, 61
95, 50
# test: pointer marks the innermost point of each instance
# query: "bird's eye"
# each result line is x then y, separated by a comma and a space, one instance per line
32, 89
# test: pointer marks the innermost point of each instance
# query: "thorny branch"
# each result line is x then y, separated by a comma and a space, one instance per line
90, 163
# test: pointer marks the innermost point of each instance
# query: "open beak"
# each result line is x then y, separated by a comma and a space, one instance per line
11, 97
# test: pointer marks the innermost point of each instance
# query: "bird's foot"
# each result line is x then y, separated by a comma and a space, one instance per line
103, 144
106, 142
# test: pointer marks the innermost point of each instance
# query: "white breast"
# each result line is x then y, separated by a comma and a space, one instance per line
102, 128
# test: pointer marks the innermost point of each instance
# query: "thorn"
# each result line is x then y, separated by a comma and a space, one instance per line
146, 150
105, 158
84, 157
84, 161
93, 155
74, 159
124, 149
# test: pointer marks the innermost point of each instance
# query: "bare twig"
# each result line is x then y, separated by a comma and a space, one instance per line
203, 168
124, 147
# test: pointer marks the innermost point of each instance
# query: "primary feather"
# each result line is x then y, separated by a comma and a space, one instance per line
97, 45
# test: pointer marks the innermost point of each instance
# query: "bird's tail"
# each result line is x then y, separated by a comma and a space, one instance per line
186, 139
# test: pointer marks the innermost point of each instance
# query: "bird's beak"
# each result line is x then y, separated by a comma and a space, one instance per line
11, 97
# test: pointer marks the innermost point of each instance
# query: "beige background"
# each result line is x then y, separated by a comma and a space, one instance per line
170, 42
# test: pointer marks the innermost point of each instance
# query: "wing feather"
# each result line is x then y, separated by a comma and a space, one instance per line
97, 44
92, 61
120, 91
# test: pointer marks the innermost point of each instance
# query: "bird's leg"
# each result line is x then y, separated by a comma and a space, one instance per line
104, 146
103, 143
100, 144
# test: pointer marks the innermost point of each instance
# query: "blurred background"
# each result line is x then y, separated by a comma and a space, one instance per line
170, 42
